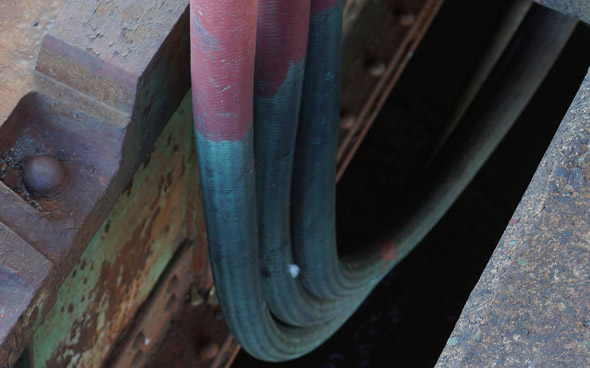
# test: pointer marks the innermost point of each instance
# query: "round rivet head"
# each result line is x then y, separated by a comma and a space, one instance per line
208, 351
45, 176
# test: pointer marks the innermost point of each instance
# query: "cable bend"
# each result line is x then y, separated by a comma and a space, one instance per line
266, 106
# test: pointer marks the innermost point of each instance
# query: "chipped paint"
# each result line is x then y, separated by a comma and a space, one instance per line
126, 256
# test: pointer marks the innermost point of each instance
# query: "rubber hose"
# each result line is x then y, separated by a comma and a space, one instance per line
278, 81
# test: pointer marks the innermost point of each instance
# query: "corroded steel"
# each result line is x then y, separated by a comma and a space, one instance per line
127, 255
530, 306
91, 104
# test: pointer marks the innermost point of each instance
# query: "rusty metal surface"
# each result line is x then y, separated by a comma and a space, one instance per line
200, 337
153, 322
98, 118
198, 332
404, 33
125, 258
380, 38
576, 8
531, 306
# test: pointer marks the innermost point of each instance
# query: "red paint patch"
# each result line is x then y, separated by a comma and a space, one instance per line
387, 250
513, 221
319, 5
282, 40
223, 41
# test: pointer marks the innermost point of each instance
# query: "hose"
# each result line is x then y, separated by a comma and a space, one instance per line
222, 71
267, 163
278, 82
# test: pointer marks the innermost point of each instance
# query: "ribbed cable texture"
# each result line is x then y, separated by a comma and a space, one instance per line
266, 101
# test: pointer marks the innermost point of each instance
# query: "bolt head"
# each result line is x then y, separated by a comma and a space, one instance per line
208, 350
45, 176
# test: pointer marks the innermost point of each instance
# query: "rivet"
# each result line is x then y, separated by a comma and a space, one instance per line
45, 176
208, 351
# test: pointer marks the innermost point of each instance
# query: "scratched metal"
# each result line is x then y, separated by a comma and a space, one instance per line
125, 258
531, 306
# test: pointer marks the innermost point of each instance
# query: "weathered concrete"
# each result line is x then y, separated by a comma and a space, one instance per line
531, 306
575, 8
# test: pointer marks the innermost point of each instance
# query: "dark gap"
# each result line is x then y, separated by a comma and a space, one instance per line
419, 106
25, 360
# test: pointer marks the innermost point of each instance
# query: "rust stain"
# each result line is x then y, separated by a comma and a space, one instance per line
123, 261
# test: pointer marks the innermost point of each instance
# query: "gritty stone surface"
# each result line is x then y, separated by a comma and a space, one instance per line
23, 23
576, 8
531, 306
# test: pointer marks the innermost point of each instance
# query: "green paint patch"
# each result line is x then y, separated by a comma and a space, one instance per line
587, 344
512, 242
452, 341
522, 261
103, 292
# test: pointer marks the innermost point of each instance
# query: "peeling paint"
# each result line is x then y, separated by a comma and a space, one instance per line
125, 258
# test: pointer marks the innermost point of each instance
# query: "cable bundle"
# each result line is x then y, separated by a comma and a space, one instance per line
266, 105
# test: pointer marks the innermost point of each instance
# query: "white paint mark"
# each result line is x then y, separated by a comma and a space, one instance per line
294, 270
